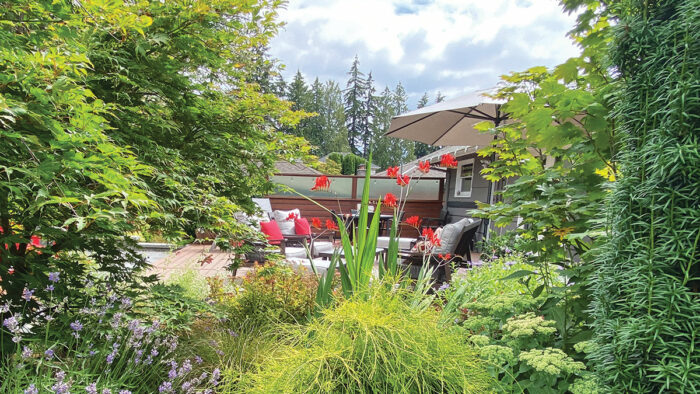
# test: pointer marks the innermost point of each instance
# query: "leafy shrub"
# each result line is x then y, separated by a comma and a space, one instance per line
375, 343
499, 246
274, 293
112, 342
503, 320
193, 284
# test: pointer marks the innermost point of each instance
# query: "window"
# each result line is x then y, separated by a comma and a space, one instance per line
465, 174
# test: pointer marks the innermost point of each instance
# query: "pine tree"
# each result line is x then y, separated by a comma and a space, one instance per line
423, 100
332, 115
439, 98
367, 123
422, 149
298, 93
354, 108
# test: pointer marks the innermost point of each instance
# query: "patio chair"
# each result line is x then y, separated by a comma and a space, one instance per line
455, 240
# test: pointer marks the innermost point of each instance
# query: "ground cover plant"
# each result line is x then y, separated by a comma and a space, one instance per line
502, 319
103, 341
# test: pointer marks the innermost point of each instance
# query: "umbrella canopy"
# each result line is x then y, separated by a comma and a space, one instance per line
449, 123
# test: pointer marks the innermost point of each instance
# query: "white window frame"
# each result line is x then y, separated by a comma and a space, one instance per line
459, 193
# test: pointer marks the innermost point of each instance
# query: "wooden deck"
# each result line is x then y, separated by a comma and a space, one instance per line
198, 258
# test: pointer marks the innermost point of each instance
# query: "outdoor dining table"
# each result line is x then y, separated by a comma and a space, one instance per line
383, 221
378, 252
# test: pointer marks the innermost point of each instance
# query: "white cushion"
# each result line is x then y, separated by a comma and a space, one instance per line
404, 243
320, 264
323, 247
286, 226
294, 251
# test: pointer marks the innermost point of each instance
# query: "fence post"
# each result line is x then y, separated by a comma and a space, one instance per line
354, 188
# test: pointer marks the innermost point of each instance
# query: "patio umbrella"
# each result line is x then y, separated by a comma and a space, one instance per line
449, 123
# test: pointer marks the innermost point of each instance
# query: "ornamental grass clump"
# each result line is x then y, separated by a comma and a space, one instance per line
376, 344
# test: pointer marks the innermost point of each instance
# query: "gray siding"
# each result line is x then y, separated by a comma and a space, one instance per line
458, 207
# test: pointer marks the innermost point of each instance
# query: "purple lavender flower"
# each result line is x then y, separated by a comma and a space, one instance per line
444, 286
5, 308
215, 374
31, 390
26, 352
11, 323
53, 276
49, 353
76, 326
61, 388
186, 367
154, 352
165, 387
126, 303
197, 359
232, 333
49, 288
124, 392
91, 388
60, 376
106, 391
110, 358
172, 374
27, 294
16, 339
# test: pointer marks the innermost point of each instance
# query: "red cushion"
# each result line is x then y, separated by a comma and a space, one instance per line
272, 232
301, 226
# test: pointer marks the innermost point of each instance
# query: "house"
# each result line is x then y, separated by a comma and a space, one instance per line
285, 167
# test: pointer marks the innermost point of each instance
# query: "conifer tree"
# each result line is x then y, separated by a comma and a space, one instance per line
422, 149
647, 291
369, 107
423, 100
354, 109
439, 98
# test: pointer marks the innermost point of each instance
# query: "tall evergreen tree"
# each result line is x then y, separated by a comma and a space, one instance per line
298, 93
422, 149
439, 98
369, 107
354, 109
332, 114
423, 100
647, 288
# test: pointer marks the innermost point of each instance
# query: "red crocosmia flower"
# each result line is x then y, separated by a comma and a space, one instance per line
448, 160
11, 270
444, 257
413, 221
331, 225
36, 241
292, 216
322, 183
392, 171
316, 223
390, 200
430, 236
402, 180
424, 166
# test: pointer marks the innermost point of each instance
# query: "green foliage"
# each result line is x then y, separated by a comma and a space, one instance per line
558, 156
273, 293
139, 118
100, 337
350, 163
507, 327
193, 284
375, 344
647, 287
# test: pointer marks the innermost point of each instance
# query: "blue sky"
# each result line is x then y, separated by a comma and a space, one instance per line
452, 46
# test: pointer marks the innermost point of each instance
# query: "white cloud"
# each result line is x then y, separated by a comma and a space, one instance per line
420, 40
